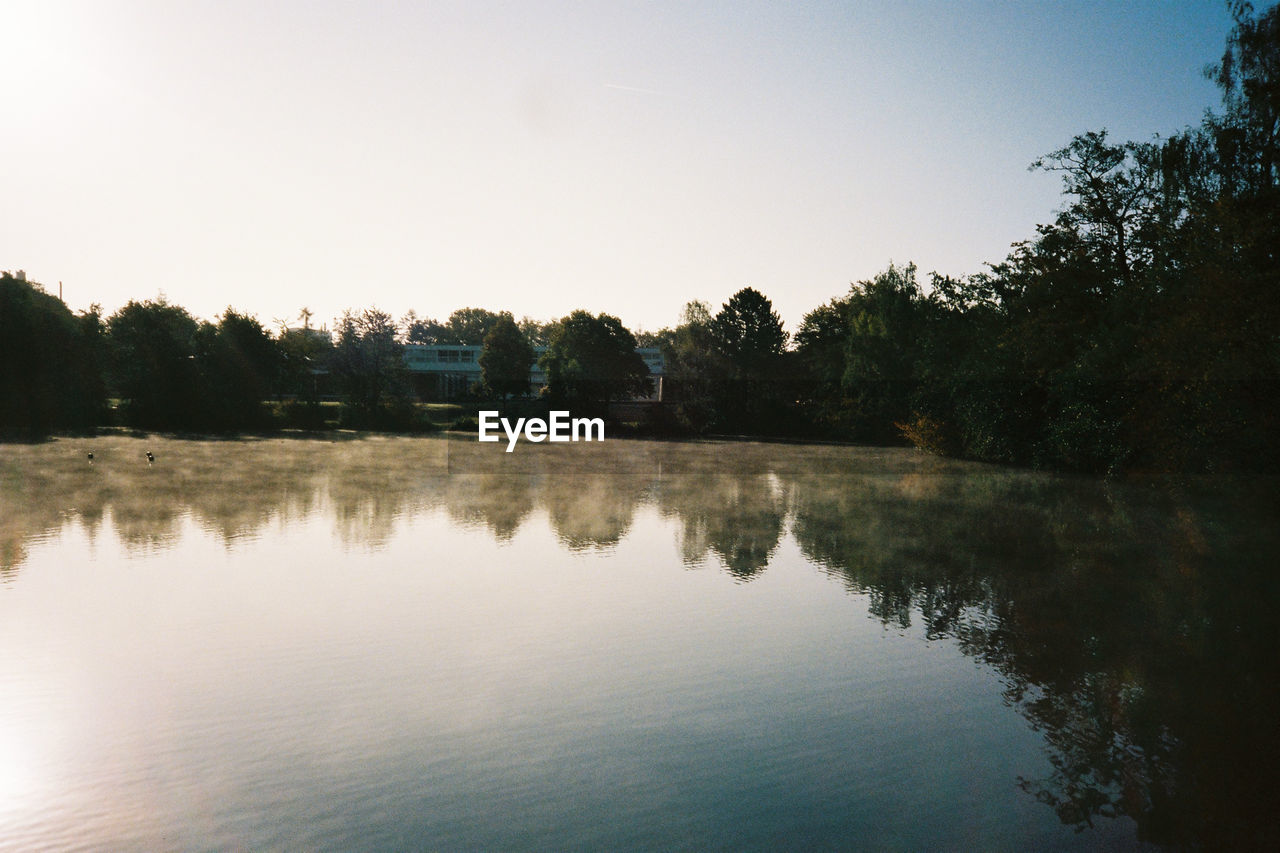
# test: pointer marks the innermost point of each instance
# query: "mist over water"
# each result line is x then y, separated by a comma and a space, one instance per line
387, 643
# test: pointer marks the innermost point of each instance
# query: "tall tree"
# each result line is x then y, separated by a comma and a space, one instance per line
506, 359
885, 330
470, 325
749, 338
1113, 191
821, 343
424, 330
535, 332
50, 365
1247, 134
368, 364
154, 365
748, 332
241, 363
593, 359
304, 355
694, 367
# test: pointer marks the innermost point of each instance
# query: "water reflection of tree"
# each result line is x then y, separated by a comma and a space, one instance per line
499, 502
233, 488
737, 517
1136, 634
372, 483
591, 510
911, 542
589, 492
1134, 628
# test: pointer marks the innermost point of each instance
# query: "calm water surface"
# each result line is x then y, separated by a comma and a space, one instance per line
431, 644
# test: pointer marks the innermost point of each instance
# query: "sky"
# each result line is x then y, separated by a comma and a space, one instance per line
541, 157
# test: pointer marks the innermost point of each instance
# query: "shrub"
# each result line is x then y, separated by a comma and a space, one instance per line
929, 434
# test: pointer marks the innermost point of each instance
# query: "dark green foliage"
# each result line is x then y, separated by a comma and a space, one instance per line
241, 364
470, 325
1141, 329
465, 326
748, 332
174, 373
304, 372
420, 330
820, 353
153, 365
506, 359
886, 326
537, 334
1247, 136
593, 359
864, 356
730, 373
304, 415
50, 362
693, 368
368, 367
751, 386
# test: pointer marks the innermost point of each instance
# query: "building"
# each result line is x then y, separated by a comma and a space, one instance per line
448, 371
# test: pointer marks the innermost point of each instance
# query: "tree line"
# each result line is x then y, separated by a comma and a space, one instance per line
168, 370
1138, 329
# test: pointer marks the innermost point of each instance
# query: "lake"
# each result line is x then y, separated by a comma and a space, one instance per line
428, 643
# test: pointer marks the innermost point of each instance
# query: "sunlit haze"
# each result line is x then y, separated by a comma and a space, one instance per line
542, 157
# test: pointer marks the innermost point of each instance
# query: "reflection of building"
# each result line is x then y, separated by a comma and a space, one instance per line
444, 371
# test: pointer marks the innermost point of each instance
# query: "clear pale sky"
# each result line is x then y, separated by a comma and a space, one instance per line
539, 157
